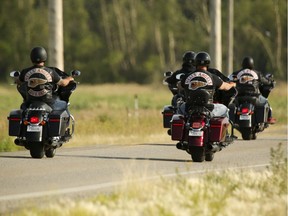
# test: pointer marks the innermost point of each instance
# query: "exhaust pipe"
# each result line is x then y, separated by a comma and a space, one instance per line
18, 142
54, 141
169, 132
182, 145
214, 147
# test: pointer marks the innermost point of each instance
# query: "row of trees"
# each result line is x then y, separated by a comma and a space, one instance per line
137, 40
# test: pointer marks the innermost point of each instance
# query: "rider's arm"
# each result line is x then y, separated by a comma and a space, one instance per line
65, 81
61, 81
227, 86
220, 84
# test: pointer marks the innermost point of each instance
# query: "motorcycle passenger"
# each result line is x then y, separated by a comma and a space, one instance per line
38, 82
201, 78
187, 67
249, 82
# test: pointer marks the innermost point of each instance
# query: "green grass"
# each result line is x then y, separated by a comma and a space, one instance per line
229, 192
108, 114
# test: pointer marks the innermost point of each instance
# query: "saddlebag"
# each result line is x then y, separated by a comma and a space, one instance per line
15, 118
167, 113
177, 127
261, 113
58, 122
218, 129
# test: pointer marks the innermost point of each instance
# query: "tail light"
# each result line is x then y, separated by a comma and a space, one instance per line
34, 119
197, 125
245, 110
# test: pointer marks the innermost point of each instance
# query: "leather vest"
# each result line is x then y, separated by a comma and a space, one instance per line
247, 82
39, 84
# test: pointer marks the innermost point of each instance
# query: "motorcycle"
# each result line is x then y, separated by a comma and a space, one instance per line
249, 112
199, 132
38, 127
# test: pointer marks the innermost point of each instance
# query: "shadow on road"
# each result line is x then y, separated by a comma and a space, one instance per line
125, 158
15, 156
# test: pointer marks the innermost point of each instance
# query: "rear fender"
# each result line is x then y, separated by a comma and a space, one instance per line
35, 131
197, 132
245, 118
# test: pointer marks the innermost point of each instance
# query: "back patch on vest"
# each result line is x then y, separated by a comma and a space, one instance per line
198, 80
36, 79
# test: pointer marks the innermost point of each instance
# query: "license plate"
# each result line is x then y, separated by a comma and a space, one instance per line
195, 133
34, 128
245, 117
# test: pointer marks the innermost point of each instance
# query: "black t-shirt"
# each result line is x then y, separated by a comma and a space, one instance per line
218, 73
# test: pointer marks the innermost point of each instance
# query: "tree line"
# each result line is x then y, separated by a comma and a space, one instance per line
137, 40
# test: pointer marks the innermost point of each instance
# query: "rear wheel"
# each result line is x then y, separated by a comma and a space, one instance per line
247, 133
36, 150
197, 153
50, 152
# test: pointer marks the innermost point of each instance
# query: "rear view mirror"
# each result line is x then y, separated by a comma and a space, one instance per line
75, 73
179, 76
14, 74
168, 74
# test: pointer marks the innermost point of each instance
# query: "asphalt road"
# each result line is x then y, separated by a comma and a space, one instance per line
86, 171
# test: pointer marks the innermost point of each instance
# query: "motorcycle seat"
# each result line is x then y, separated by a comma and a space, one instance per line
59, 105
40, 105
249, 99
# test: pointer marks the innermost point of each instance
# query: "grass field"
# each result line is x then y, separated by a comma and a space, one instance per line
118, 113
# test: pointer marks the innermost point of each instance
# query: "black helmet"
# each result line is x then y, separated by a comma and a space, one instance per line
38, 54
202, 59
188, 57
248, 62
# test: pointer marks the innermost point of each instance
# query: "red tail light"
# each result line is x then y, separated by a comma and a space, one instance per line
245, 110
197, 125
34, 119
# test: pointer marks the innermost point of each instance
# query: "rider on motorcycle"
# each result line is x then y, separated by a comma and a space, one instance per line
201, 78
249, 82
39, 82
187, 67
